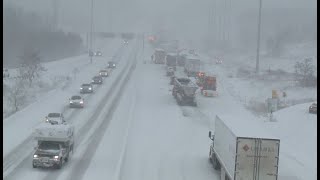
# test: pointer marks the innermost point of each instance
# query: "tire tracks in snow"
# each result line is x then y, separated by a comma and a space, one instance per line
100, 131
19, 154
79, 169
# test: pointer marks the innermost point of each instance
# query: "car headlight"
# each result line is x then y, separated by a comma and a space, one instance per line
71, 102
90, 88
81, 88
56, 157
35, 156
81, 102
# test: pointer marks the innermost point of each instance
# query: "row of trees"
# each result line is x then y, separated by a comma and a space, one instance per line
25, 29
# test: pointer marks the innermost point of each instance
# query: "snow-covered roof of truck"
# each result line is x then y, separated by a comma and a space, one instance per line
245, 127
60, 132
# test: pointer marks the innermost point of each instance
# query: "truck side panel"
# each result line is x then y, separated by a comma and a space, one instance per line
225, 146
257, 159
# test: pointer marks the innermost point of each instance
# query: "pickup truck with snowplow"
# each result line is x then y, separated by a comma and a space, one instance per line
242, 151
184, 91
54, 143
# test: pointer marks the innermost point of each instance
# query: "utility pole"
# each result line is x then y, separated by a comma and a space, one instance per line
91, 27
258, 39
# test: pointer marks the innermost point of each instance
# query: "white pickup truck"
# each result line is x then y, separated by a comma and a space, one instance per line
242, 151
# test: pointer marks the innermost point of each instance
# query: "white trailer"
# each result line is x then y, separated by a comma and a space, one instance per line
242, 150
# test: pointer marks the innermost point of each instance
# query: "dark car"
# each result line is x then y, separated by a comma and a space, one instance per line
313, 108
103, 73
97, 80
111, 64
86, 88
76, 101
98, 53
55, 118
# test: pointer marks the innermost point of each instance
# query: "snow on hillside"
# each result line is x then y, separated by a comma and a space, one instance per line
57, 75
297, 130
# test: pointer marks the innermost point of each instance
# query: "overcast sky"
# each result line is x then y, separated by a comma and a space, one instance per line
124, 14
184, 18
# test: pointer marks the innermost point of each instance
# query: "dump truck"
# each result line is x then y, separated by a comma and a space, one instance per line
242, 150
184, 91
207, 84
159, 56
192, 66
53, 145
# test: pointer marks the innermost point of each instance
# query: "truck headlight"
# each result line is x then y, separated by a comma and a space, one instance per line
89, 88
81, 102
35, 156
56, 157
81, 88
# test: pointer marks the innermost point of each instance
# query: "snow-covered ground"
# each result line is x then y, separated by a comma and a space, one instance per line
136, 130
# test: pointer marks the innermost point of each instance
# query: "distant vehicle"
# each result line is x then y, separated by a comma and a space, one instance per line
313, 108
97, 80
111, 64
125, 41
98, 53
55, 118
243, 151
192, 66
207, 84
5, 72
103, 73
159, 56
170, 71
171, 60
184, 90
54, 143
76, 101
218, 61
86, 88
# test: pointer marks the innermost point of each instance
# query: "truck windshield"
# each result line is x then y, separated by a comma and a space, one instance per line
49, 146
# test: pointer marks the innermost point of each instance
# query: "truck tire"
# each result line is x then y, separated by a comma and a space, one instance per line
34, 166
60, 164
215, 162
67, 158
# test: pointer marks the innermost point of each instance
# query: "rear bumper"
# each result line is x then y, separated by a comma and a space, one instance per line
86, 91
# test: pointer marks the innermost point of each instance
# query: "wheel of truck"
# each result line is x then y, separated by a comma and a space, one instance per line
34, 166
67, 158
60, 164
215, 162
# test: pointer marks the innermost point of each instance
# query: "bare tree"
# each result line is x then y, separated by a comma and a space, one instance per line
17, 94
31, 67
304, 72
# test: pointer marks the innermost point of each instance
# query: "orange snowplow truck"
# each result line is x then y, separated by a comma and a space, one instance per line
208, 84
